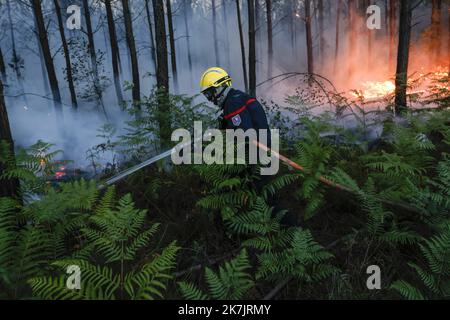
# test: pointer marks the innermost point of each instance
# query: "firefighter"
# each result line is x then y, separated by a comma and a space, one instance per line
238, 109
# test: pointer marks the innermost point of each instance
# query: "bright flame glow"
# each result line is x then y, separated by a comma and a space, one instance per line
380, 89
375, 89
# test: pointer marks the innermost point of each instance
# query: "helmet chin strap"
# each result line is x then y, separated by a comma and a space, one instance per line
220, 97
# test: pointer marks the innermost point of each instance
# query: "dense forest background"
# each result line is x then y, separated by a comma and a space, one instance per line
363, 111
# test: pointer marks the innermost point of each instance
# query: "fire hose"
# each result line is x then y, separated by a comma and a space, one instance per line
282, 158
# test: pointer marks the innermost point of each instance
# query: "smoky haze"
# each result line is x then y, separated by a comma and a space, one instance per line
29, 100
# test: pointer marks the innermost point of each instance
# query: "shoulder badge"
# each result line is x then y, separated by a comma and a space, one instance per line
236, 120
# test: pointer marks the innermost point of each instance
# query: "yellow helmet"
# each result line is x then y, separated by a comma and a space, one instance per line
214, 78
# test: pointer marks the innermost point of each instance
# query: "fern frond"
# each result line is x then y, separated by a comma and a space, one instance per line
407, 290
191, 292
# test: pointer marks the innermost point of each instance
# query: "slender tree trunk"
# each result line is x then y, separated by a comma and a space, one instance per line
93, 54
251, 48
369, 38
114, 51
73, 95
41, 59
173, 55
269, 38
152, 39
241, 38
257, 33
309, 45
48, 63
289, 5
227, 36
187, 7
8, 187
162, 74
392, 32
215, 38
401, 80
336, 45
386, 18
3, 76
322, 44
2, 68
136, 91
15, 56
435, 43
105, 37
351, 36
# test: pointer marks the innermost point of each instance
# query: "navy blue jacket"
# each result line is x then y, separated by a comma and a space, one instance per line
241, 111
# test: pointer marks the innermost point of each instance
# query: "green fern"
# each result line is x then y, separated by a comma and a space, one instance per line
191, 292
407, 290
303, 259
435, 277
231, 282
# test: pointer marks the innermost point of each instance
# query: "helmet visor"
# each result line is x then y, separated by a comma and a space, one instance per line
209, 93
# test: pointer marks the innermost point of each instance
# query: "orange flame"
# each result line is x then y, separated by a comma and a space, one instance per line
380, 89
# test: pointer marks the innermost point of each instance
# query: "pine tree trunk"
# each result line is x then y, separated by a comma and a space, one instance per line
309, 45
257, 9
227, 36
173, 55
351, 31
53, 80
251, 48
369, 37
114, 51
10, 187
73, 95
136, 91
435, 43
3, 76
269, 38
93, 54
241, 38
187, 7
162, 74
386, 18
2, 68
5, 129
15, 57
152, 38
322, 44
392, 32
215, 39
289, 5
336, 45
401, 80
41, 59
